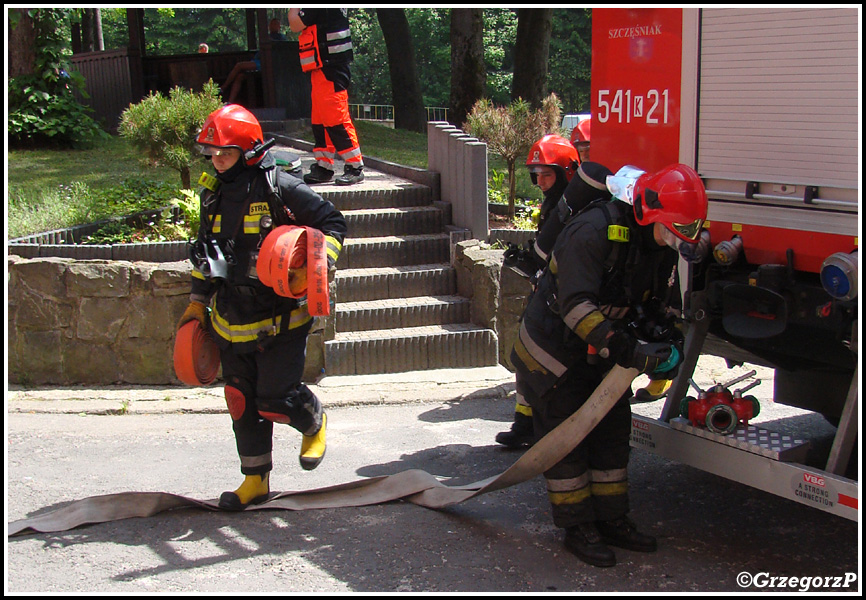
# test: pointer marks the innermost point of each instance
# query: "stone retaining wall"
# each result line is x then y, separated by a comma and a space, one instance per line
498, 294
101, 322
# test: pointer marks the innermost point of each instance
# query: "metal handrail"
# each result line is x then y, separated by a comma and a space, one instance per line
385, 112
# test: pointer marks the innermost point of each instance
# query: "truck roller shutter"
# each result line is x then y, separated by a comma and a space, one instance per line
779, 102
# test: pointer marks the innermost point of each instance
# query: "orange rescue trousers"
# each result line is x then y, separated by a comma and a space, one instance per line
333, 129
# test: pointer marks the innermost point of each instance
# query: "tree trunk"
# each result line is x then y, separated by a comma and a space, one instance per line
87, 29
531, 51
512, 186
98, 40
468, 72
91, 30
406, 95
21, 48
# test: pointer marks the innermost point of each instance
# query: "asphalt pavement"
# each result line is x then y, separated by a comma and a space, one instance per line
65, 444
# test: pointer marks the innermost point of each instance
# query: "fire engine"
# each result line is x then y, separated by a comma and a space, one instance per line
764, 104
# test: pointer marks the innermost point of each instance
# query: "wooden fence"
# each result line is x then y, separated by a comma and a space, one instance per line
116, 78
109, 83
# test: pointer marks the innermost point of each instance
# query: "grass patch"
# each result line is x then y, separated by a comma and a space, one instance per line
379, 141
55, 189
100, 167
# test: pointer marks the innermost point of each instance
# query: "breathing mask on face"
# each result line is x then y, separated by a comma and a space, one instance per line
621, 185
669, 237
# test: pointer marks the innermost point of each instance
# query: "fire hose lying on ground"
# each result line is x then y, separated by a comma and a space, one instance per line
415, 486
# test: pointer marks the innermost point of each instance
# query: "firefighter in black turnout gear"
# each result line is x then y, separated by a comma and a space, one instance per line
568, 187
261, 335
612, 271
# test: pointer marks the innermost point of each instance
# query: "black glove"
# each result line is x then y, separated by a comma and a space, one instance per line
520, 260
656, 358
659, 359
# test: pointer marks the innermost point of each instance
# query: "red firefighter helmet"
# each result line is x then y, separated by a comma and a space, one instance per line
674, 197
581, 132
553, 151
231, 126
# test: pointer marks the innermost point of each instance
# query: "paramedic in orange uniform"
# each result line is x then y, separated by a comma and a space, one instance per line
325, 46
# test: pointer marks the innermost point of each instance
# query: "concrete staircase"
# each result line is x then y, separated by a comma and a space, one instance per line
397, 308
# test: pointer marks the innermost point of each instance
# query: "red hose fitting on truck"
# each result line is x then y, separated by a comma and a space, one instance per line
719, 410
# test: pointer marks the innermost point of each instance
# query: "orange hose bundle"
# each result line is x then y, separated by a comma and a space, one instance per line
284, 253
196, 355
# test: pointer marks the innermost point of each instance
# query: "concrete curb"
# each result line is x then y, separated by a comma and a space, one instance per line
439, 386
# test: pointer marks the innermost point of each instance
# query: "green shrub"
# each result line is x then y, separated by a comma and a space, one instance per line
510, 131
526, 217
111, 233
165, 128
43, 110
165, 227
497, 191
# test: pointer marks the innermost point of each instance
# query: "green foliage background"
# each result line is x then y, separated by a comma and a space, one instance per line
180, 30
165, 128
42, 106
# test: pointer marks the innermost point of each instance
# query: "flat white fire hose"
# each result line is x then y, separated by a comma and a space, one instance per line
415, 486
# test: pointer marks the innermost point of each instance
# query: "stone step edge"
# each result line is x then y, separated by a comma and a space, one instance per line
396, 210
425, 331
412, 348
378, 222
414, 311
409, 302
393, 270
395, 239
377, 283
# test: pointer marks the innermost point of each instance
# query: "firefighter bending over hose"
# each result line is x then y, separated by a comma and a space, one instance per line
553, 161
610, 284
261, 334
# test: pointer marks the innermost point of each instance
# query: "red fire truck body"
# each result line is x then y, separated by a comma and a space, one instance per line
764, 104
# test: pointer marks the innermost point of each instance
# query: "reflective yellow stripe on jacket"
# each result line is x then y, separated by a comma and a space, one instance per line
333, 248
249, 332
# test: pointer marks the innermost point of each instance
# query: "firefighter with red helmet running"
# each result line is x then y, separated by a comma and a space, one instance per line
612, 264
261, 334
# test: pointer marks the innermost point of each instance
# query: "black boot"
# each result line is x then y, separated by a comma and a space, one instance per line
351, 175
623, 533
584, 541
318, 174
520, 434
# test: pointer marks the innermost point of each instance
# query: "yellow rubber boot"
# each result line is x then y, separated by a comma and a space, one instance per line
313, 447
254, 490
654, 390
